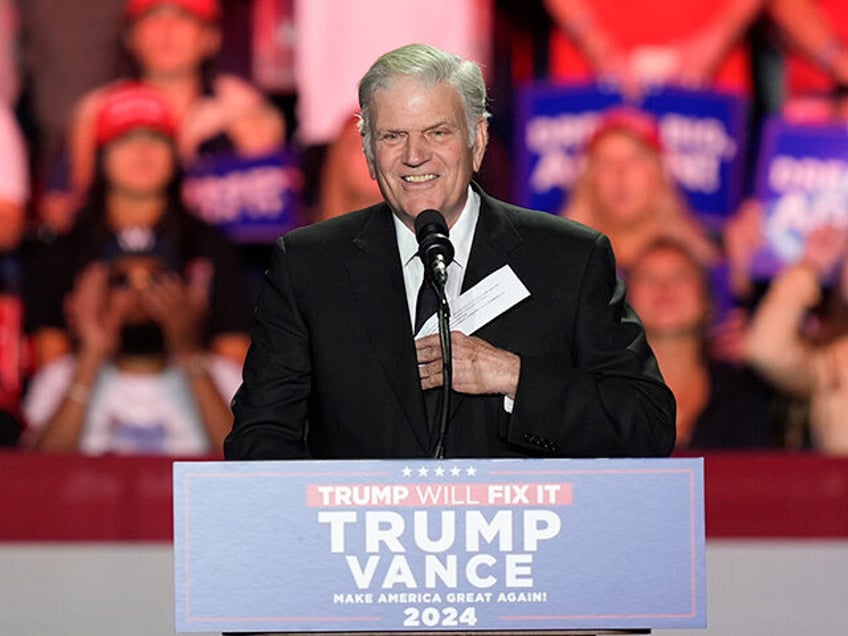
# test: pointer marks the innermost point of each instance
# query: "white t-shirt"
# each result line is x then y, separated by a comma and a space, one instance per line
130, 413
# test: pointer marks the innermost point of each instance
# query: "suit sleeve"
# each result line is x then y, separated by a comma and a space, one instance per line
607, 398
271, 405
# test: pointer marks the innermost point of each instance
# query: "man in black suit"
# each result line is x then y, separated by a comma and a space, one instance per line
334, 371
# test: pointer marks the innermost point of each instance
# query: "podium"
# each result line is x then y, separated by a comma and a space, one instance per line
472, 546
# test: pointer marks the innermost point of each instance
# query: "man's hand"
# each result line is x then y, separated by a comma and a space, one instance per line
478, 367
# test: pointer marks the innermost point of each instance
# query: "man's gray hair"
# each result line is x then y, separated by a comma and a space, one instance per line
432, 66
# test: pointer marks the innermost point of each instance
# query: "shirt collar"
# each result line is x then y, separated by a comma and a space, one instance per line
461, 234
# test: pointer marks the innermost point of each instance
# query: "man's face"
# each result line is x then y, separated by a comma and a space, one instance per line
422, 159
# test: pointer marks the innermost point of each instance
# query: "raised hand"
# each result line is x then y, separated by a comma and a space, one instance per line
171, 303
94, 314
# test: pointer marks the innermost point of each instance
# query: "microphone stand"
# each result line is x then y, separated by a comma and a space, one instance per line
447, 364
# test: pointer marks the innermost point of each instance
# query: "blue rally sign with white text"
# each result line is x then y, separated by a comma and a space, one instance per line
802, 184
455, 545
251, 199
701, 132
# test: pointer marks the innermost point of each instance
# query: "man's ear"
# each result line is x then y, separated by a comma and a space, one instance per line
369, 161
481, 140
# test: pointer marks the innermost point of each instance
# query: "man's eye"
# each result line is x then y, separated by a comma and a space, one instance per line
390, 137
439, 133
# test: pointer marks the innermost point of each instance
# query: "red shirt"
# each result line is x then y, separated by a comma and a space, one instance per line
803, 75
636, 23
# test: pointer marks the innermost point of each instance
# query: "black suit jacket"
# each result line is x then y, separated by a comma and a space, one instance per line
331, 372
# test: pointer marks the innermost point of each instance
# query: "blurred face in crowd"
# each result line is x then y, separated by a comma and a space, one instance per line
12, 216
668, 291
625, 177
140, 163
130, 278
422, 157
358, 184
168, 40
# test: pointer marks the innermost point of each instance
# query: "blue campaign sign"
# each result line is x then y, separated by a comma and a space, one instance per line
252, 199
553, 122
454, 545
802, 183
703, 134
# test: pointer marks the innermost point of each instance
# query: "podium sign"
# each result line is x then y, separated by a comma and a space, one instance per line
431, 545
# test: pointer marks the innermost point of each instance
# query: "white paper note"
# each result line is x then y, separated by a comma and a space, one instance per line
484, 302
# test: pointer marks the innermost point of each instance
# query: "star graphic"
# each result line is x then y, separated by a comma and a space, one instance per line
471, 471
455, 471
407, 471
440, 472
423, 471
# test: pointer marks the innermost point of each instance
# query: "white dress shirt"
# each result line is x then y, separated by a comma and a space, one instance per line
461, 236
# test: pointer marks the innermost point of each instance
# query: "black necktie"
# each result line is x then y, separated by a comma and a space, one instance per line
425, 306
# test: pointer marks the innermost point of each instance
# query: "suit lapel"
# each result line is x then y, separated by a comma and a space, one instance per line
376, 279
495, 238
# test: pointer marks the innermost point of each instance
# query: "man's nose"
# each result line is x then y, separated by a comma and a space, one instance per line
416, 151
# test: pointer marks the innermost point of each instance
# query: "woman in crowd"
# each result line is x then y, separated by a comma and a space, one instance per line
137, 186
719, 404
139, 381
625, 191
346, 184
798, 336
173, 43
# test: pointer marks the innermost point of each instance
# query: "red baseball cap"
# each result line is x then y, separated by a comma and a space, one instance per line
632, 121
207, 10
130, 106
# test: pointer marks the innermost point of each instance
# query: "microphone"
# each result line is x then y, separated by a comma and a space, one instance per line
434, 246
436, 252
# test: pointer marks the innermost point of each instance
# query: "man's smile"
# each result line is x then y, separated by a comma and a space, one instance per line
419, 178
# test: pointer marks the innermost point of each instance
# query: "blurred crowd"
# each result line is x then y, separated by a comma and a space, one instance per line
124, 315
